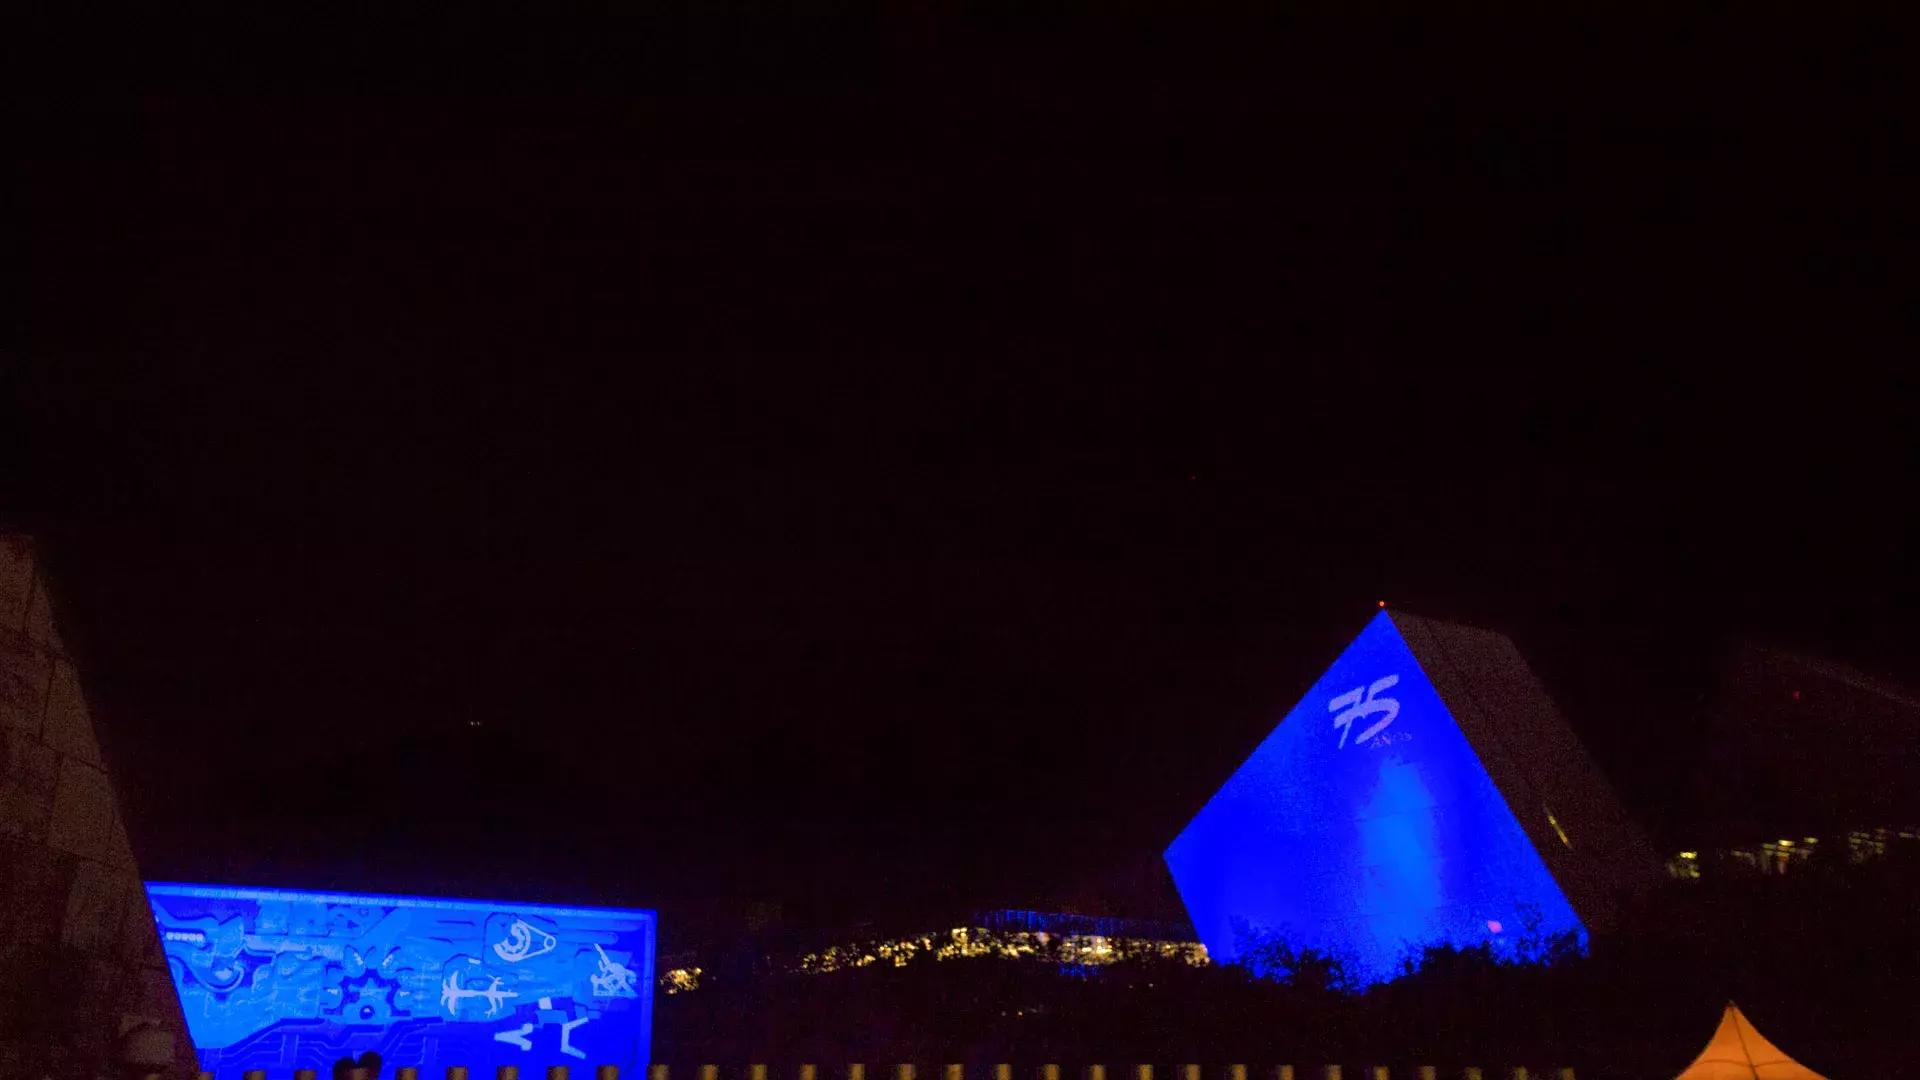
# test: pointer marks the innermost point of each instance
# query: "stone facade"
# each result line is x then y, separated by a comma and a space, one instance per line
82, 977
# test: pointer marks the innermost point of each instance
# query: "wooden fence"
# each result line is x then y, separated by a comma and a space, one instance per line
959, 1072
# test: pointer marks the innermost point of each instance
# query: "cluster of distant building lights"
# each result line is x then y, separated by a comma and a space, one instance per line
1093, 950
1780, 856
1071, 950
962, 942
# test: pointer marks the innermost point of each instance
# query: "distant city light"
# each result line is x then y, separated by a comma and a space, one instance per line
1493, 925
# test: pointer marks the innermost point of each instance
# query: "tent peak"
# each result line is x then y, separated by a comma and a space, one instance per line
1738, 1051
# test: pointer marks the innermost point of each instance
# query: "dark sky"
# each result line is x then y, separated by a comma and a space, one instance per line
885, 470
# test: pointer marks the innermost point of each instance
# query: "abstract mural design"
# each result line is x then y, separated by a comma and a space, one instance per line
278, 980
1365, 827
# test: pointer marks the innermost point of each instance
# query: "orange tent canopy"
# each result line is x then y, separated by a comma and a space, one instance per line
1738, 1052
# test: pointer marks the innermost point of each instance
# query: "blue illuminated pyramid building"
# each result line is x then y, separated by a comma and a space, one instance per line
1424, 792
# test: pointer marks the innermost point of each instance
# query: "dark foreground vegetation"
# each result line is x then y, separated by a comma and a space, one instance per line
1826, 963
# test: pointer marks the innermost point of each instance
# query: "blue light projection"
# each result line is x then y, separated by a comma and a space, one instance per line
1365, 828
278, 980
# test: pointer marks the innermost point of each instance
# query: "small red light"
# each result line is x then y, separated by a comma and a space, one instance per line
1493, 925
1796, 695
1383, 603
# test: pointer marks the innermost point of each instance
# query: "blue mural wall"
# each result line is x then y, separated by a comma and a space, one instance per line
1365, 827
278, 980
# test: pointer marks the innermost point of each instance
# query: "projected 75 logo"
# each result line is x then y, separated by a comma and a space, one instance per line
1362, 702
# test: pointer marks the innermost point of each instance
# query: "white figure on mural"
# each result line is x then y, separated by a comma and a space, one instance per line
519, 944
452, 994
1361, 702
614, 979
521, 1037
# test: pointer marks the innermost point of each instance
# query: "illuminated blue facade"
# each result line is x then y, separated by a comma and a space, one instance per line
278, 980
1367, 828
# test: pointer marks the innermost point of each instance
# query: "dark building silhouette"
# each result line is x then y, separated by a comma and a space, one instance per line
1800, 747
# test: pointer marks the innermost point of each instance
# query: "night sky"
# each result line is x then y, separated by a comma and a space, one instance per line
904, 471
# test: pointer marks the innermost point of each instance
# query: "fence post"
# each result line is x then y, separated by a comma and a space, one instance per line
1332, 1072
1379, 1072
456, 1072
1565, 1073
709, 1072
1096, 1072
1425, 1072
1143, 1072
1189, 1072
306, 1074
809, 1072
506, 1072
407, 1072
604, 1072
1519, 1072
1471, 1072
254, 1074
1283, 1072
757, 1072
1236, 1072
658, 1072
1003, 1072
903, 1072
856, 1072
1049, 1072
956, 1072
556, 1072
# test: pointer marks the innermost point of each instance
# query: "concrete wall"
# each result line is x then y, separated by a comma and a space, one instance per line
80, 961
1596, 851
